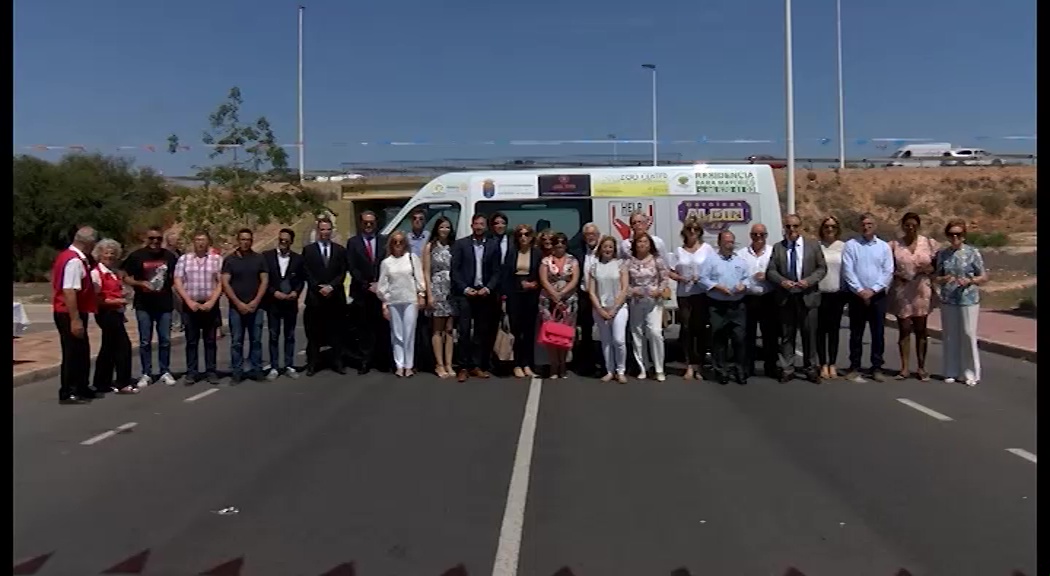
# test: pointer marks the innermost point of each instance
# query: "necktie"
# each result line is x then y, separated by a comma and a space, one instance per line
793, 261
368, 249
324, 252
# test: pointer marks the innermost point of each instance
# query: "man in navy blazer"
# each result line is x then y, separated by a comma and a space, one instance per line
364, 252
475, 283
281, 302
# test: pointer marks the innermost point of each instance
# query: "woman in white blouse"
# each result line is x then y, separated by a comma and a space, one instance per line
607, 287
403, 291
832, 298
692, 300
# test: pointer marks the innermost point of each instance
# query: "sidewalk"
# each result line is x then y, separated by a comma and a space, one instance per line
38, 355
997, 332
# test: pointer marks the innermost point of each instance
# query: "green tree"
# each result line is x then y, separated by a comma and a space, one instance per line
250, 185
53, 198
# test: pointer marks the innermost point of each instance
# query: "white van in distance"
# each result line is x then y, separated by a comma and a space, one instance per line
920, 155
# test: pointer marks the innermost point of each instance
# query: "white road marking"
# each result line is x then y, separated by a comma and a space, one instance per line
509, 550
927, 411
108, 434
1023, 454
204, 394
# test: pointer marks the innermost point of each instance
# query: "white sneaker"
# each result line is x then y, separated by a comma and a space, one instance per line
167, 379
642, 375
291, 373
272, 374
949, 380
144, 381
660, 377
971, 383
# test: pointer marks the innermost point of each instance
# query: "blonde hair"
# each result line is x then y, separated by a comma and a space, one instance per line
692, 222
390, 241
602, 241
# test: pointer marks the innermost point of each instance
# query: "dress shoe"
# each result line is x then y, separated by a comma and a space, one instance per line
462, 376
479, 373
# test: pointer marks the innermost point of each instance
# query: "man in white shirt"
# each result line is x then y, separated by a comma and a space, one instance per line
760, 305
72, 299
642, 222
585, 354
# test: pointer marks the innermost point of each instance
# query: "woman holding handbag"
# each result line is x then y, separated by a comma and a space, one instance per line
559, 277
403, 291
647, 276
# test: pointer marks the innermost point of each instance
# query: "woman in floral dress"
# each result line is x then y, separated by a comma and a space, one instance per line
911, 293
559, 278
437, 263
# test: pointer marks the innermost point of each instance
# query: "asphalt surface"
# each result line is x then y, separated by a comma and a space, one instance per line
413, 476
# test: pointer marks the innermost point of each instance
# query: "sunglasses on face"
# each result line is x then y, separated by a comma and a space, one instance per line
154, 238
524, 234
955, 234
759, 234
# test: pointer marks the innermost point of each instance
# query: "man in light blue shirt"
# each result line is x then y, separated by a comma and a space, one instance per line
727, 277
867, 270
417, 236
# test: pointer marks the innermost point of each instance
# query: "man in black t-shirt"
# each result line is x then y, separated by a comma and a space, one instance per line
245, 276
151, 272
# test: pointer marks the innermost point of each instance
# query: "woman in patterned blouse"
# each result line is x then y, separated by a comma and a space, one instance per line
959, 270
647, 276
559, 279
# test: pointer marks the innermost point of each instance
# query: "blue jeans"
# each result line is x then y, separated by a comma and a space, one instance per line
146, 320
253, 324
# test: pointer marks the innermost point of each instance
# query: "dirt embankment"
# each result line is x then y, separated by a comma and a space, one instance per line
990, 199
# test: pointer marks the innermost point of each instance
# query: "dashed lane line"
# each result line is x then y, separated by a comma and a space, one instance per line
1023, 454
927, 411
204, 394
109, 433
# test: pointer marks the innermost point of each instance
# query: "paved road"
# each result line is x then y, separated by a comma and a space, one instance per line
413, 477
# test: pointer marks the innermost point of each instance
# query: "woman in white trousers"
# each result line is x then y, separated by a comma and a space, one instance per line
647, 277
959, 270
607, 287
403, 290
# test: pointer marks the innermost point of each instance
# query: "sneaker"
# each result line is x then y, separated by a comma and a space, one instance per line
660, 377
949, 380
642, 376
291, 373
144, 381
167, 379
272, 374
971, 383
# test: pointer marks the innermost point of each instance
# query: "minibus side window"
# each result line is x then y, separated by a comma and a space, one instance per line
450, 210
567, 216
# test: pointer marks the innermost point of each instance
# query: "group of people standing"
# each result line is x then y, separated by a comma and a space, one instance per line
522, 283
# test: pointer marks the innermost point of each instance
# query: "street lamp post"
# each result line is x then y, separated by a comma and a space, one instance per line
842, 113
656, 157
302, 144
790, 108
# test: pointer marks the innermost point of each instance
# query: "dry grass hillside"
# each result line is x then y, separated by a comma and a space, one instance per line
992, 200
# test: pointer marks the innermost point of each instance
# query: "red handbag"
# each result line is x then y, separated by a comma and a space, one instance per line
555, 334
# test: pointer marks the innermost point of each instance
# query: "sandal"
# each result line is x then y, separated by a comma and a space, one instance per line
902, 376
924, 376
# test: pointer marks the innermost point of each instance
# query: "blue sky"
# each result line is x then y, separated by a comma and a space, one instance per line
108, 73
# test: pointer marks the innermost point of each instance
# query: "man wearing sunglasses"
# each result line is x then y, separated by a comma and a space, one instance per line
151, 272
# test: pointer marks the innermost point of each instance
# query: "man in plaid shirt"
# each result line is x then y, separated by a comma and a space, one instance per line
197, 283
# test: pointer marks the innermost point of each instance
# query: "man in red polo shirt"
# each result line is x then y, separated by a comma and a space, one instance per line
73, 298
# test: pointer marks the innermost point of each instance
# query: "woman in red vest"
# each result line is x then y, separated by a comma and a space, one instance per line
115, 353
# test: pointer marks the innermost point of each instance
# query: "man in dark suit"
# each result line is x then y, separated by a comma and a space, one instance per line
475, 283
586, 352
287, 278
325, 264
795, 268
364, 252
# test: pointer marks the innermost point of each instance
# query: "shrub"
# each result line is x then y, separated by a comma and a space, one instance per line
993, 202
987, 239
896, 198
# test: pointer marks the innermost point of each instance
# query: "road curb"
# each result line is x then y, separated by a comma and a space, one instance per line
992, 346
50, 371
